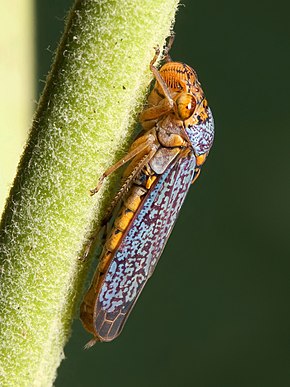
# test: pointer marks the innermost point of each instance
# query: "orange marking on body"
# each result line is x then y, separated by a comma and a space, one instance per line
103, 264
124, 219
150, 181
201, 159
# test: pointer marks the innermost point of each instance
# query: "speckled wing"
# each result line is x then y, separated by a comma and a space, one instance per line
137, 256
201, 135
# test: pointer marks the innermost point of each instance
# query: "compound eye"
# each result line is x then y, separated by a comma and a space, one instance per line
186, 105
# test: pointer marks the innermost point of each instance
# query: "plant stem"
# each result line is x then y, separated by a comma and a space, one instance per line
84, 122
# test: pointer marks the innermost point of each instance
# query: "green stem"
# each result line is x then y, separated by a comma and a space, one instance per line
85, 116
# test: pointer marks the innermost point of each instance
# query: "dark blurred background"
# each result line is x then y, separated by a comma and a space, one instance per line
216, 312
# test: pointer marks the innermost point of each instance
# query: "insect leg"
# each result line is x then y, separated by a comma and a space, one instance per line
135, 151
167, 57
134, 170
150, 115
196, 174
199, 162
160, 80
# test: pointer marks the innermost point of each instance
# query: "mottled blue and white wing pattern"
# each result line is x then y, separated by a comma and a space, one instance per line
137, 256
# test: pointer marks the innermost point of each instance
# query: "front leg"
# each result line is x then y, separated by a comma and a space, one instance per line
151, 115
165, 102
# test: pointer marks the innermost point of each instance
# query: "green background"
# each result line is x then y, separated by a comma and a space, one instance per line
216, 312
